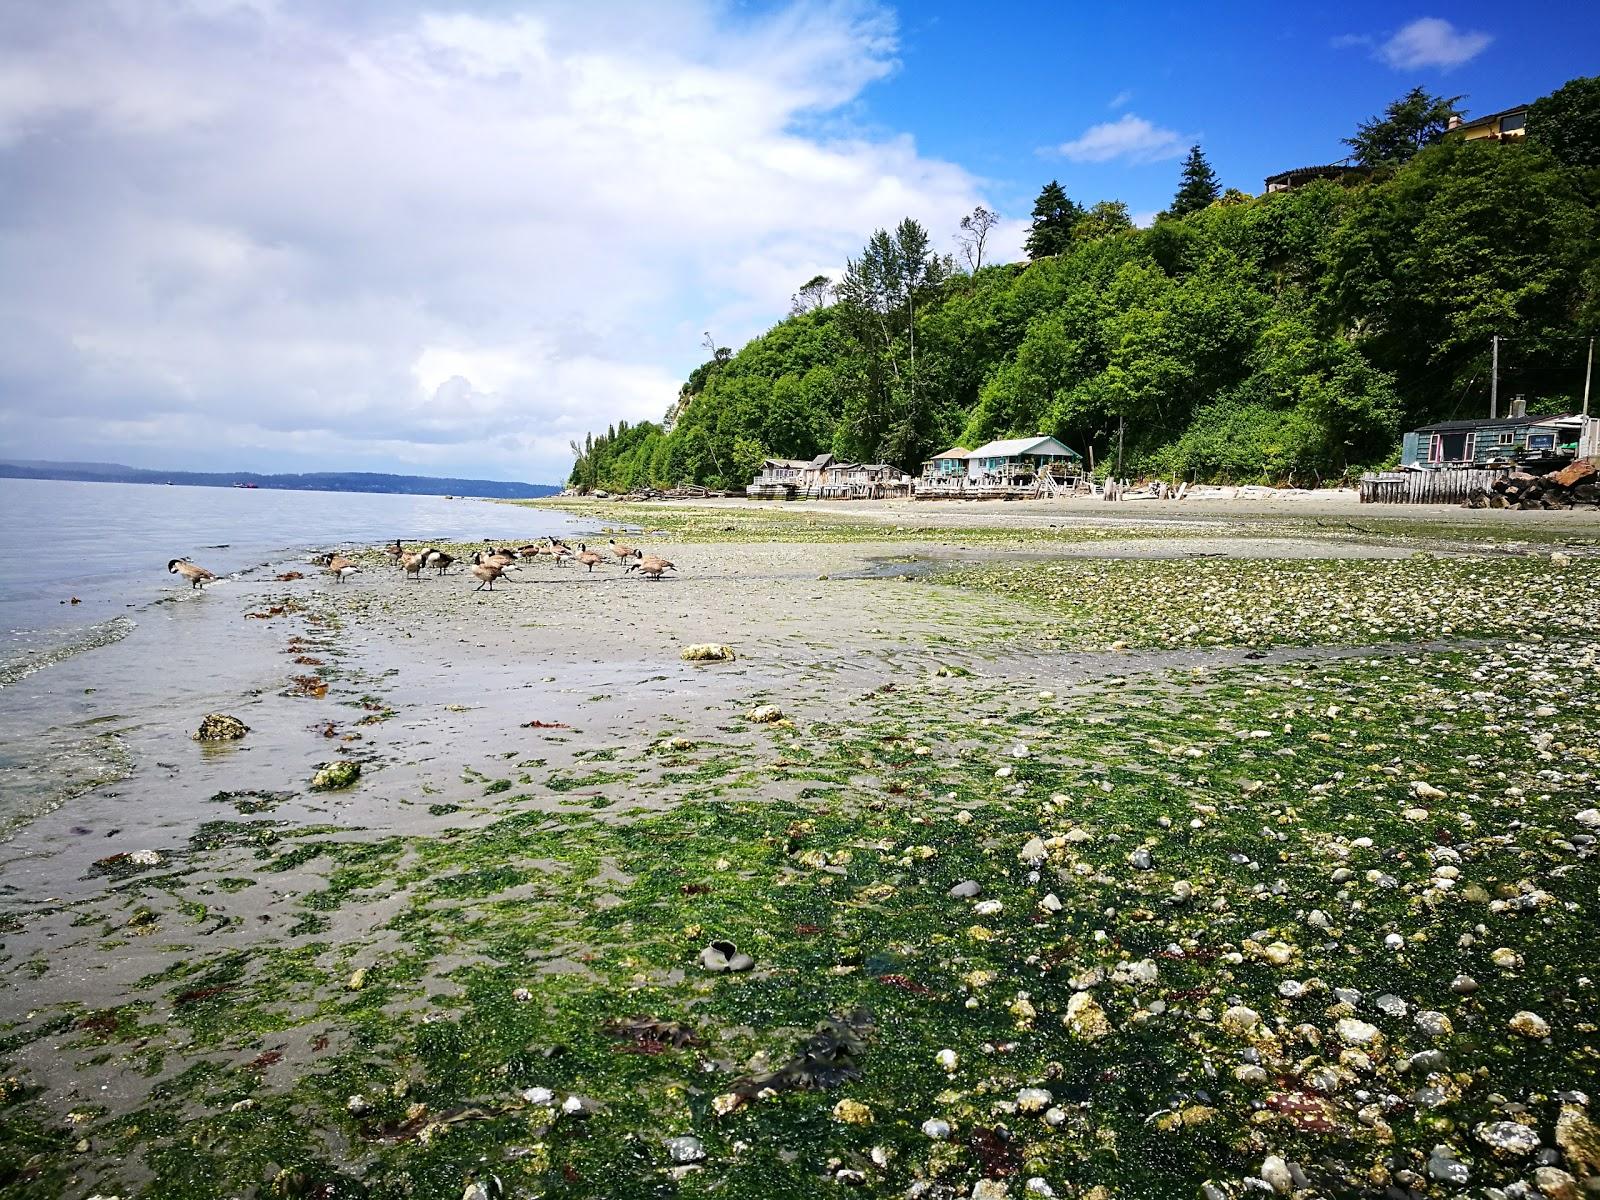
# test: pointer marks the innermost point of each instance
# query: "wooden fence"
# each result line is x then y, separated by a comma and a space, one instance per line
1442, 485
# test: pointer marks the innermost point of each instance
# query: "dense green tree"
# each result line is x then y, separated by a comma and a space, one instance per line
1412, 123
1197, 186
1102, 220
1054, 218
1567, 122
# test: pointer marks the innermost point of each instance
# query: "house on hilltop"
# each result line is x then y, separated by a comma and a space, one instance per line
1507, 125
1288, 181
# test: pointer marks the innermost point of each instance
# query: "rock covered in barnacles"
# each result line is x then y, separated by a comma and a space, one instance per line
220, 727
336, 776
764, 714
1085, 1018
1579, 1139
707, 652
1507, 1138
1445, 1167
1555, 1184
1033, 1100
1529, 1025
1240, 1021
1034, 852
852, 1112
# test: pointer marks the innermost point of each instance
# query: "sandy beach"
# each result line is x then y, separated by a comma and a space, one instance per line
1178, 752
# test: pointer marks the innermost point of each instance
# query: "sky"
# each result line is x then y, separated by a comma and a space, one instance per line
445, 238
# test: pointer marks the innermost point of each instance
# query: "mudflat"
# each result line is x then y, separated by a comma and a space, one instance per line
1018, 849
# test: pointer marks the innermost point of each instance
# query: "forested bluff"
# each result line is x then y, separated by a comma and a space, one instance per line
1284, 338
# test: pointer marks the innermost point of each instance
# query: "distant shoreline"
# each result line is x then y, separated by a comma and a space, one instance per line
376, 483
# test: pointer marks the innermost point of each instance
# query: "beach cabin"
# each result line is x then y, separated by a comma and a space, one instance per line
1022, 463
947, 471
1493, 441
790, 478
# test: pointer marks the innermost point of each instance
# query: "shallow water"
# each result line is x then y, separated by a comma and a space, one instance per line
73, 675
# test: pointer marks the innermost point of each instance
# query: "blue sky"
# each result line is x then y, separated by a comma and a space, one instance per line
1263, 87
450, 236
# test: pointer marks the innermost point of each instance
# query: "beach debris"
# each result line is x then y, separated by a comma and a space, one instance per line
708, 652
722, 956
646, 1035
765, 714
335, 776
288, 576
545, 725
220, 727
826, 1059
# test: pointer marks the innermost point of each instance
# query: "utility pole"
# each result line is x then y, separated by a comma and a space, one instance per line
1494, 378
1122, 424
1588, 372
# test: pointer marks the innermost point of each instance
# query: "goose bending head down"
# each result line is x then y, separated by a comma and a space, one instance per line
198, 577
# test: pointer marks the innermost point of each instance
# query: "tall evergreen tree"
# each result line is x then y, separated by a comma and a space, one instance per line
1198, 186
1414, 121
1054, 218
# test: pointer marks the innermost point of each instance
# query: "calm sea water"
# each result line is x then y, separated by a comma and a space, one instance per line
108, 544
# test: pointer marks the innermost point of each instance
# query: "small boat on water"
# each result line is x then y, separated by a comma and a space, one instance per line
244, 485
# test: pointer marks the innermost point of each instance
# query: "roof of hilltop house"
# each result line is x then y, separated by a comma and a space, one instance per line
1015, 447
953, 452
1488, 118
1488, 423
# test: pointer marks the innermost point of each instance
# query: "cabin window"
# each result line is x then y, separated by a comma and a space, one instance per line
1508, 439
1541, 441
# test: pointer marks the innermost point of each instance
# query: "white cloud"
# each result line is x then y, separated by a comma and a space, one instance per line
1121, 99
1129, 137
1432, 42
383, 235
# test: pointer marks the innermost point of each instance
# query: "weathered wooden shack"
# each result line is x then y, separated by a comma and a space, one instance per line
1009, 468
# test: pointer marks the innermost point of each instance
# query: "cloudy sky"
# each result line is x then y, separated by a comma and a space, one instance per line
447, 238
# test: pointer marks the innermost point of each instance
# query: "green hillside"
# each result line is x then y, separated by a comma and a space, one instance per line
1289, 337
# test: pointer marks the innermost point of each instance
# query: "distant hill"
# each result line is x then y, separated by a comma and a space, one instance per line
315, 481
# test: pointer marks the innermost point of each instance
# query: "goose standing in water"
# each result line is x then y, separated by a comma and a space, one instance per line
198, 577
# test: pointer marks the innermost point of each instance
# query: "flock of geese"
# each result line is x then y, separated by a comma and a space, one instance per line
486, 566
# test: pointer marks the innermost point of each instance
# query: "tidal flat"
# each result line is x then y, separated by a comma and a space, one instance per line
1211, 859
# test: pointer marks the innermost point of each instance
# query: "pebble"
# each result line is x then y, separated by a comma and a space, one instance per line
1275, 1174
1051, 903
1034, 852
1033, 1100
937, 1129
686, 1149
1507, 1138
967, 889
539, 1095
1140, 860
852, 1112
1240, 1021
946, 1059
1505, 958
1463, 985
1444, 1167
1530, 1025
1086, 1018
1434, 1024
1555, 1183
1391, 1005
1356, 1033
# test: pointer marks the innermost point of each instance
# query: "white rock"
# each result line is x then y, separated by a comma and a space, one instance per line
946, 1059
1356, 1033
1275, 1174
1033, 1100
1034, 853
1051, 903
936, 1128
1530, 1025
539, 1095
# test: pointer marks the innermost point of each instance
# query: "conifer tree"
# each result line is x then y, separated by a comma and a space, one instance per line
1198, 186
1054, 218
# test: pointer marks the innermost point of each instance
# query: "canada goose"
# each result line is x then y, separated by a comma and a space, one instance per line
652, 568
622, 552
340, 567
530, 551
413, 563
500, 558
396, 551
562, 553
198, 577
439, 559
642, 561
590, 558
486, 570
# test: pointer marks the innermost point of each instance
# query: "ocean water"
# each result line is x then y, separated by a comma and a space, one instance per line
108, 544
87, 689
